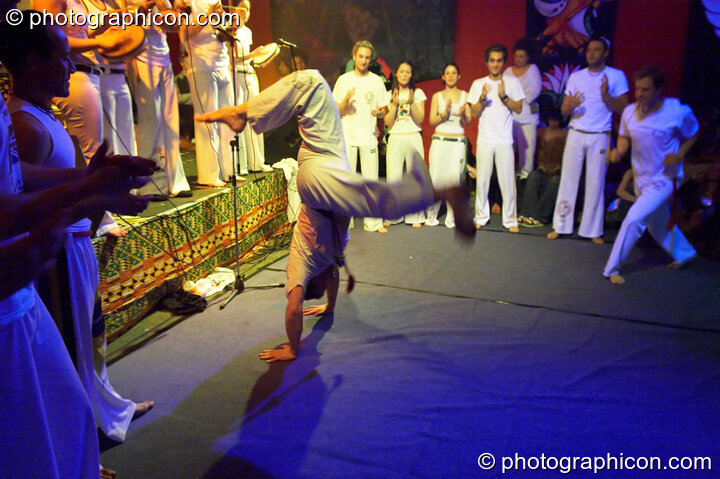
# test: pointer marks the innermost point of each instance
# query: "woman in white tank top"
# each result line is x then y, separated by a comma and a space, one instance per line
447, 150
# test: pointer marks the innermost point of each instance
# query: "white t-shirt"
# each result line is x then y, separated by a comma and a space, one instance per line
655, 136
593, 115
206, 52
495, 123
531, 82
156, 51
359, 125
403, 121
452, 124
17, 304
317, 241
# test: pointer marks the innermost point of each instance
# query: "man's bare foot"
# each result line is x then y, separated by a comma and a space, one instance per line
216, 184
106, 473
617, 279
513, 229
552, 235
386, 223
382, 230
233, 116
457, 197
681, 264
142, 407
597, 240
417, 225
285, 353
478, 226
116, 232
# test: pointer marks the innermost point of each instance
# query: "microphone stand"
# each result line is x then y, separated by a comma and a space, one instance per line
239, 286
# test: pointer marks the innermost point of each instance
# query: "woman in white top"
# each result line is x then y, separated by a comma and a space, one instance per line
406, 110
448, 147
661, 131
525, 123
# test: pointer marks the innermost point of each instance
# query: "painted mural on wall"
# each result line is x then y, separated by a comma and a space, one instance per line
560, 30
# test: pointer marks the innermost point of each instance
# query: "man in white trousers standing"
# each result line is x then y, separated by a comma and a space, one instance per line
591, 96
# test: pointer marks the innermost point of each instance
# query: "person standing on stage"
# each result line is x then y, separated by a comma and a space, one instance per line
660, 131
330, 192
248, 87
448, 147
406, 111
525, 123
207, 66
158, 122
362, 99
591, 96
494, 99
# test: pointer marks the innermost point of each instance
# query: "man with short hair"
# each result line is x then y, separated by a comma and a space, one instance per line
591, 96
361, 98
493, 99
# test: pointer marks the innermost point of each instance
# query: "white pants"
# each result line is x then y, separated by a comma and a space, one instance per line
525, 136
505, 167
651, 210
48, 429
325, 180
112, 413
401, 151
211, 90
588, 148
158, 130
118, 123
369, 167
447, 166
254, 159
81, 112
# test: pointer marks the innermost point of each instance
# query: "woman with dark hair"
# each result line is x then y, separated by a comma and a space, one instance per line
661, 131
406, 110
525, 123
448, 147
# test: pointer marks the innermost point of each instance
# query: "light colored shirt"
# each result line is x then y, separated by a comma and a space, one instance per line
531, 82
403, 121
451, 125
205, 50
593, 115
495, 123
359, 124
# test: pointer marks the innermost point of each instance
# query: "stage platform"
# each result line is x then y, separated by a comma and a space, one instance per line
184, 237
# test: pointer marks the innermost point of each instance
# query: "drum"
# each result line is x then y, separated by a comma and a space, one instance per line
269, 52
133, 41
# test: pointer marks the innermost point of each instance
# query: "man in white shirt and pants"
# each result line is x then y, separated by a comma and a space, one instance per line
591, 96
362, 99
494, 98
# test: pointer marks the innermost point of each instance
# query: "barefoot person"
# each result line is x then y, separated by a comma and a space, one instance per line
330, 192
661, 131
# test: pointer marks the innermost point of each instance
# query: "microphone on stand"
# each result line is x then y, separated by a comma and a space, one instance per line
285, 43
224, 35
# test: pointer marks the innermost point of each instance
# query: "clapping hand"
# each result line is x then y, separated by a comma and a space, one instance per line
576, 99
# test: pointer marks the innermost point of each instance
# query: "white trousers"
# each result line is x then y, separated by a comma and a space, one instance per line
525, 136
249, 88
325, 180
651, 210
401, 150
81, 112
504, 158
112, 413
118, 122
369, 166
211, 90
158, 122
48, 429
589, 149
447, 167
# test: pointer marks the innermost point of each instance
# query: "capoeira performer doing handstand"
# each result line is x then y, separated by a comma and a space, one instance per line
330, 192
661, 131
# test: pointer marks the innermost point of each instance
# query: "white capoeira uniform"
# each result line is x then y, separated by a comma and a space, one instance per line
248, 88
158, 134
588, 139
112, 413
652, 138
525, 123
447, 156
47, 428
495, 140
207, 66
325, 181
359, 126
405, 143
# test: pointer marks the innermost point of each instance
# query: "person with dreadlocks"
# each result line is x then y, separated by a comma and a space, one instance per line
329, 191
